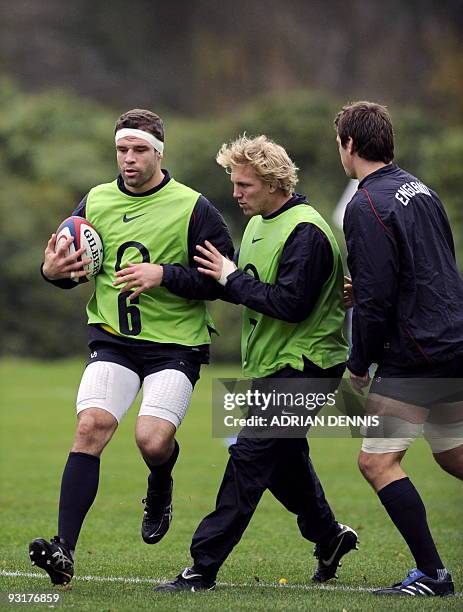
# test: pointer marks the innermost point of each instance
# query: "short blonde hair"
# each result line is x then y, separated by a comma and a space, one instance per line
270, 160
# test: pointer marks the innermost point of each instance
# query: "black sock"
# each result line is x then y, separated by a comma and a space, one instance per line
79, 485
406, 509
159, 479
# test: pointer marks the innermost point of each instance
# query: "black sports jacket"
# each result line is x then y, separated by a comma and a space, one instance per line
408, 291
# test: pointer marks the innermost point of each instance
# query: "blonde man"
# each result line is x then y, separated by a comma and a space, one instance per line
289, 279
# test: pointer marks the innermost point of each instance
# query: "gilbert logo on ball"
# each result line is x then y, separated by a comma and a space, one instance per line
85, 235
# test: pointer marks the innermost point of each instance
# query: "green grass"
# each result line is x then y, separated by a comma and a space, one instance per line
37, 422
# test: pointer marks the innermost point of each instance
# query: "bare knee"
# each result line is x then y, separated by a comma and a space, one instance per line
155, 439
369, 465
95, 428
155, 449
379, 469
451, 461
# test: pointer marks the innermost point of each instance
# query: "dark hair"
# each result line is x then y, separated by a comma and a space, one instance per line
370, 127
141, 119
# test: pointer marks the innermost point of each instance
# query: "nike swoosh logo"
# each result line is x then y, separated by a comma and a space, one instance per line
330, 560
188, 576
126, 219
256, 240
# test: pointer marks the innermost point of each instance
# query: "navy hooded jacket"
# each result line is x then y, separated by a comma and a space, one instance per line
407, 288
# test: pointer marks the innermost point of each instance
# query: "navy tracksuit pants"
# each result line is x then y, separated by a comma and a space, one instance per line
281, 465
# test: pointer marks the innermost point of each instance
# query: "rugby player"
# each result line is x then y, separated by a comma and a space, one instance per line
408, 319
290, 280
147, 325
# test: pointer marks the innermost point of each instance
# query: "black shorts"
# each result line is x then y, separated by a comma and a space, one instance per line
424, 386
294, 396
145, 358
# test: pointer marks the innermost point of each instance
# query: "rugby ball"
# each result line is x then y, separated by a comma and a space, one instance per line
85, 235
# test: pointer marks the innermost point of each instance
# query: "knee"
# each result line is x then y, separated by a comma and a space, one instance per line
374, 466
368, 465
155, 448
94, 430
379, 469
451, 461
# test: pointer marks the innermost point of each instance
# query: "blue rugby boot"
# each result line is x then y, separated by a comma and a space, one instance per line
418, 584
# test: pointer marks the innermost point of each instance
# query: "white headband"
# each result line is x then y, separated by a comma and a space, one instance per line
152, 140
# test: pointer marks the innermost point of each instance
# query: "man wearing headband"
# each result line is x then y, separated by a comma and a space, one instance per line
148, 327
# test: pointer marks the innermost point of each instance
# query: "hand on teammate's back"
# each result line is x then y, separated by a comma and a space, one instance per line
358, 383
348, 293
215, 265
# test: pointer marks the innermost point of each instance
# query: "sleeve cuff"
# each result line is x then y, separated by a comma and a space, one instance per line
43, 275
166, 275
235, 274
228, 267
64, 283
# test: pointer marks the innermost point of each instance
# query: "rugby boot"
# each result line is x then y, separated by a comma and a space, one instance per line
329, 555
418, 584
188, 580
157, 515
54, 557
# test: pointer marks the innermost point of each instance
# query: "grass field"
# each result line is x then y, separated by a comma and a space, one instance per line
37, 421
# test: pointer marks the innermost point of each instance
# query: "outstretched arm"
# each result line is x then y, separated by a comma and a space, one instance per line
206, 223
305, 265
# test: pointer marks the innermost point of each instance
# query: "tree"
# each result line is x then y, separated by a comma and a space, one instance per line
55, 147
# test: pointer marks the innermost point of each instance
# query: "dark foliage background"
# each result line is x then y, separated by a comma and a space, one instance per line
213, 71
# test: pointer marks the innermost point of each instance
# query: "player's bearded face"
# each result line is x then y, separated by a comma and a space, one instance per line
250, 191
137, 161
